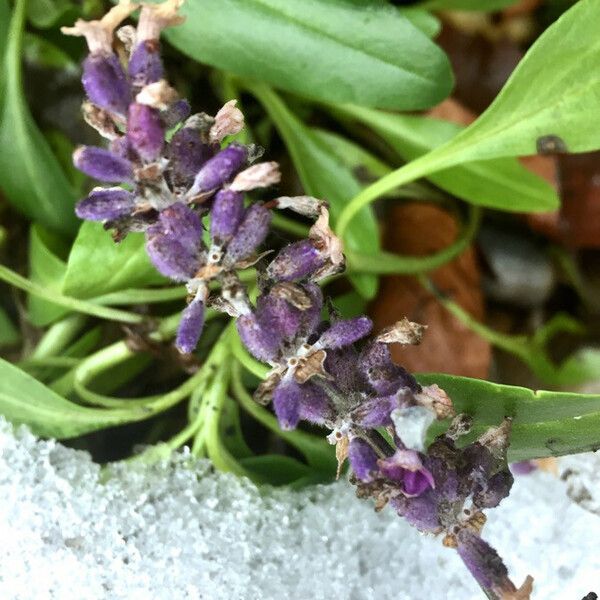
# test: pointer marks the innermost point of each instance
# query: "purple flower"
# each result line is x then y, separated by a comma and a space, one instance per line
219, 170
103, 164
145, 131
363, 459
105, 204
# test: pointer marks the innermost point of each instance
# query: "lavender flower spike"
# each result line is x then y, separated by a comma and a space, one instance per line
104, 80
103, 164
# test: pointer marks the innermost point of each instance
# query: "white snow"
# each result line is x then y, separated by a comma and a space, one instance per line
180, 531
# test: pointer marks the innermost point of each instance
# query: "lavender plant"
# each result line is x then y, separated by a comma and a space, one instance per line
176, 174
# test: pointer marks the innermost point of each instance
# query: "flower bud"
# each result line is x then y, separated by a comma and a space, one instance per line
190, 326
219, 169
296, 261
363, 459
261, 339
103, 164
249, 235
187, 153
344, 333
226, 215
105, 83
145, 64
145, 131
106, 204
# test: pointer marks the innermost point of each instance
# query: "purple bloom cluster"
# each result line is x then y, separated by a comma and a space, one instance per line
173, 171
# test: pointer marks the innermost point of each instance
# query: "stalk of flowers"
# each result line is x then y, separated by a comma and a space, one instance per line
331, 372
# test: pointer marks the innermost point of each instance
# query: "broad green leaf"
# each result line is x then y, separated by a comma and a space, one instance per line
501, 183
429, 24
482, 5
324, 176
24, 400
365, 52
31, 177
9, 334
548, 103
553, 92
544, 423
98, 266
47, 269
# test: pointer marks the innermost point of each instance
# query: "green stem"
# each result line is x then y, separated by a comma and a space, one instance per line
74, 304
385, 263
58, 336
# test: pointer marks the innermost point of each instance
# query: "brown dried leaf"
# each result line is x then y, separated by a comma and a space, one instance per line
449, 346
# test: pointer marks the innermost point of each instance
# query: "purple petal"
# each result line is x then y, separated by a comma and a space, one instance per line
171, 258
314, 404
190, 326
105, 205
145, 131
181, 223
376, 411
284, 317
382, 374
312, 317
174, 242
219, 169
286, 403
341, 365
345, 333
483, 562
120, 146
295, 261
249, 235
416, 483
261, 339
145, 65
420, 511
363, 459
226, 215
102, 164
187, 154
105, 83
523, 467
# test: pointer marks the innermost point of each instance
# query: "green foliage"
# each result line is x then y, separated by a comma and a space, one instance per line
482, 5
500, 183
98, 266
323, 175
9, 334
24, 400
544, 423
31, 177
364, 52
552, 92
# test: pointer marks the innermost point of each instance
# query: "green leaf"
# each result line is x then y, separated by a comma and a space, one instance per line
45, 13
544, 423
501, 183
482, 5
24, 400
549, 102
47, 269
365, 52
98, 266
4, 26
9, 334
275, 469
31, 177
423, 20
324, 176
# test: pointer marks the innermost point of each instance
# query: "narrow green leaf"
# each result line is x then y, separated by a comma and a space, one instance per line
9, 334
365, 52
31, 177
98, 266
544, 423
481, 5
46, 13
48, 270
324, 176
501, 183
24, 400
